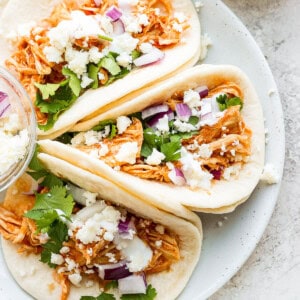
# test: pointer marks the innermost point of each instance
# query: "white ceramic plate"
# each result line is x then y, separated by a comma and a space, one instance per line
225, 248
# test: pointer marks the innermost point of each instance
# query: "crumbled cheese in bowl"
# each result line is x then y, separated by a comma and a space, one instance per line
17, 129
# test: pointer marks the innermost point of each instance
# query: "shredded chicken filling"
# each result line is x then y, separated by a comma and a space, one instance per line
31, 66
229, 139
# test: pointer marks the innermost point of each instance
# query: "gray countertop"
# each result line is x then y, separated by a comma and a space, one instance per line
273, 270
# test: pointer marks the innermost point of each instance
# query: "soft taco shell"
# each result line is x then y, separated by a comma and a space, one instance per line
223, 196
36, 278
91, 103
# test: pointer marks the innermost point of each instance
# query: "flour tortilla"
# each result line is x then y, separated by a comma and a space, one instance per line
223, 196
36, 278
179, 57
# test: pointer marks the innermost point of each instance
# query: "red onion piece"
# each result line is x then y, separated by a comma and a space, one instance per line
134, 284
114, 271
183, 110
153, 56
154, 120
4, 104
118, 27
98, 2
207, 117
153, 110
216, 173
113, 13
177, 177
202, 90
126, 229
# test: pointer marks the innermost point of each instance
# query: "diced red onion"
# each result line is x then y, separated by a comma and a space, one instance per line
153, 110
4, 104
118, 27
98, 2
126, 229
114, 271
183, 110
216, 173
177, 177
202, 90
207, 117
113, 13
134, 284
154, 120
153, 56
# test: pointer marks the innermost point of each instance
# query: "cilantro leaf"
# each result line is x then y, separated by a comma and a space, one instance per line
58, 233
43, 218
113, 131
74, 81
105, 38
47, 89
93, 71
135, 54
111, 285
123, 73
35, 164
103, 296
56, 198
109, 63
66, 137
150, 295
224, 102
102, 124
193, 120
171, 150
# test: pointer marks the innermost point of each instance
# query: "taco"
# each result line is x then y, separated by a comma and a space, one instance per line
106, 242
87, 54
197, 139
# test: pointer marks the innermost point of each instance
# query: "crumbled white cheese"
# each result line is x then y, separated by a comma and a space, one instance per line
14, 142
232, 152
53, 54
158, 243
122, 124
231, 171
193, 173
90, 198
56, 259
155, 158
127, 152
79, 63
137, 253
146, 47
89, 283
75, 279
270, 174
180, 17
123, 43
160, 229
191, 98
64, 250
85, 81
183, 126
71, 264
198, 5
163, 124
95, 55
108, 219
177, 27
124, 59
205, 151
103, 150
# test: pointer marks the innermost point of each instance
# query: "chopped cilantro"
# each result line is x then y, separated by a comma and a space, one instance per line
58, 233
135, 54
66, 137
105, 38
93, 71
193, 120
171, 150
109, 64
48, 89
103, 296
123, 73
111, 285
74, 81
113, 131
224, 102
101, 125
150, 295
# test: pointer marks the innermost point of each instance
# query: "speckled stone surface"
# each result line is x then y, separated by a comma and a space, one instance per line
273, 270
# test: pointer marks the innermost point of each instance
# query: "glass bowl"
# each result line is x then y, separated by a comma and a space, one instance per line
17, 129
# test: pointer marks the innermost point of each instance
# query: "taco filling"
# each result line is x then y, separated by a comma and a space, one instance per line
87, 242
193, 138
88, 44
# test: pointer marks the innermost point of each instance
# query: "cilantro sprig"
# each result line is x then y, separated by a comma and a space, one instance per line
51, 209
224, 102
